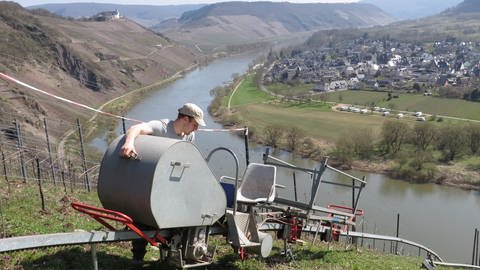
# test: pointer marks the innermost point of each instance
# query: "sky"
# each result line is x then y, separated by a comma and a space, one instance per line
27, 3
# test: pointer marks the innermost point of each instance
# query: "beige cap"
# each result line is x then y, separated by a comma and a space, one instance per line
194, 111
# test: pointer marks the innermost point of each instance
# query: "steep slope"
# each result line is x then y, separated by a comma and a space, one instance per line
85, 61
146, 15
413, 9
461, 22
467, 6
229, 23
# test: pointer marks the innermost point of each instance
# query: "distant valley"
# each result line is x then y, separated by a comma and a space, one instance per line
236, 25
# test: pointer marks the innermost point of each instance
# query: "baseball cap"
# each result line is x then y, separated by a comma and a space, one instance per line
194, 111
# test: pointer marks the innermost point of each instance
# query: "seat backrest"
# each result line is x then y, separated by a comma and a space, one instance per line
258, 184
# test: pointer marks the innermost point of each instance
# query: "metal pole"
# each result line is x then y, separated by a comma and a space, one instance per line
94, 256
245, 136
353, 196
5, 171
478, 236
475, 247
295, 186
82, 151
52, 167
20, 149
40, 185
62, 174
398, 228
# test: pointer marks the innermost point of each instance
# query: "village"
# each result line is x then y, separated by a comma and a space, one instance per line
381, 65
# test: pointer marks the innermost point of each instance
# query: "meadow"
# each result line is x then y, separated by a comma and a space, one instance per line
318, 119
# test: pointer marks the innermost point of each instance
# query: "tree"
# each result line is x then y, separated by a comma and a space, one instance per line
423, 135
473, 138
324, 97
273, 135
293, 136
363, 140
394, 133
345, 149
417, 87
452, 141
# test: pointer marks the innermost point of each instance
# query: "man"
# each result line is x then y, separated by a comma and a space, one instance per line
190, 116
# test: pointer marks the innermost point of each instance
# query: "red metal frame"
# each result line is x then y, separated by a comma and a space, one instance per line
102, 214
337, 228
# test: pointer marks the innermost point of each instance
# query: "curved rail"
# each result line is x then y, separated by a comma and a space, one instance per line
236, 172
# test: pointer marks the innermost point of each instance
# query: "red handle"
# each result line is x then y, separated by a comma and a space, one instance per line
100, 214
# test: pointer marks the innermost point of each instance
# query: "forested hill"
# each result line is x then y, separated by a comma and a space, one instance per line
240, 22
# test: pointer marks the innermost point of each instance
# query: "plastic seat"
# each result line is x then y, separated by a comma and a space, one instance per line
258, 184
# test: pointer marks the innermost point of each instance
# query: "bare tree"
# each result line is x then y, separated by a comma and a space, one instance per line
345, 149
452, 141
273, 135
423, 135
363, 140
473, 133
293, 136
394, 134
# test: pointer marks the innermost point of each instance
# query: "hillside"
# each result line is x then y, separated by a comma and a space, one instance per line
461, 22
467, 6
413, 9
146, 15
233, 23
85, 61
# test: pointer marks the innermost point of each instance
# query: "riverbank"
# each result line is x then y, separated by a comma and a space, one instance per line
267, 116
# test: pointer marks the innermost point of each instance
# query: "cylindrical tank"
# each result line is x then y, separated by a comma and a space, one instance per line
170, 184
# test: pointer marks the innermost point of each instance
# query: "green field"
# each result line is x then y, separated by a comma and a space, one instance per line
248, 92
362, 98
434, 105
410, 102
317, 122
405, 102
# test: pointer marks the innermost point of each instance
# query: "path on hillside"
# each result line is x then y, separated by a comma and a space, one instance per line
233, 93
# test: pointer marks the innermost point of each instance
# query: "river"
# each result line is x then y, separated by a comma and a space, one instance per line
441, 218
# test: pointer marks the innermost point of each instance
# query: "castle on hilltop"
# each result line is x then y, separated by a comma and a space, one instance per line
107, 15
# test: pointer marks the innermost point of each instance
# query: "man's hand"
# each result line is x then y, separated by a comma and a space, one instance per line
128, 148
128, 151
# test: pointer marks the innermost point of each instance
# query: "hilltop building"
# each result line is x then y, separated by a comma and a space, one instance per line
107, 15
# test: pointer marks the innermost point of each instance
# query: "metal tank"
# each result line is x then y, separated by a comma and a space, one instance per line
169, 185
